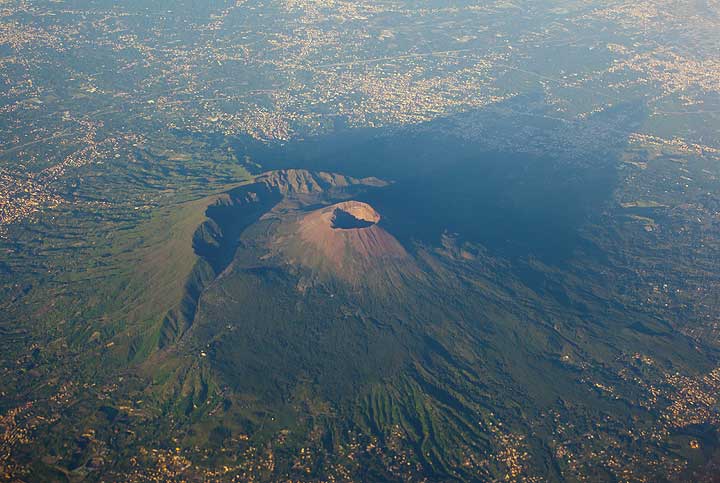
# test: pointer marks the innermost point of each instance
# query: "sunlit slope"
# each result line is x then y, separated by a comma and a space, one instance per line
162, 267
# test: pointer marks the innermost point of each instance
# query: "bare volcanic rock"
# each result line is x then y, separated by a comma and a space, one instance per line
302, 182
346, 241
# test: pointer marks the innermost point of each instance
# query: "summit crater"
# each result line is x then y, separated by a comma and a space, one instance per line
353, 215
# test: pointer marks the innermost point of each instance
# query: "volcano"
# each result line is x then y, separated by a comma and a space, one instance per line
305, 323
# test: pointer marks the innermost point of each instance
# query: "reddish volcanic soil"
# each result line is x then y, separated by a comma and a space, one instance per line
343, 246
346, 241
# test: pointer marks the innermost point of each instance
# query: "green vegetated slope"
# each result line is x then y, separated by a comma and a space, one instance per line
166, 271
